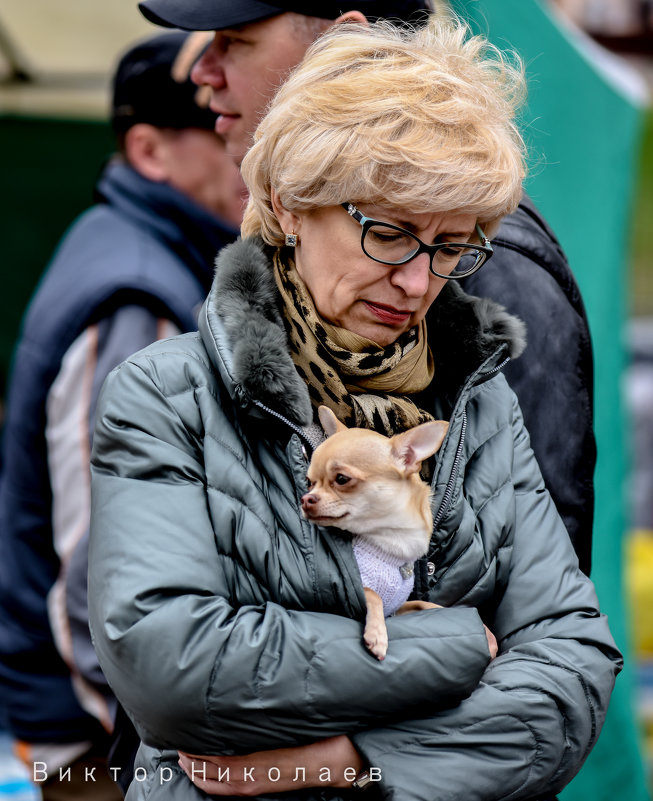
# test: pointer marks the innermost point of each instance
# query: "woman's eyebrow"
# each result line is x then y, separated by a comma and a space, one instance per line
459, 234
390, 217
414, 228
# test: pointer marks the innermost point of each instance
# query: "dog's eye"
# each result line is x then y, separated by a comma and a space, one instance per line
310, 484
341, 479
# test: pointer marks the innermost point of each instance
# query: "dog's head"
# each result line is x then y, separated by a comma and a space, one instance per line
362, 481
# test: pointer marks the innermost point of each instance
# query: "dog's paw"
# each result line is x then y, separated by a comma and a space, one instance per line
375, 638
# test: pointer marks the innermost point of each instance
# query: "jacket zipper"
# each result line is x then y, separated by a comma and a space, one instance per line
448, 491
305, 441
493, 371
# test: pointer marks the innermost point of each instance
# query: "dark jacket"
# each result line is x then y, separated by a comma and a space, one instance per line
144, 243
207, 584
553, 379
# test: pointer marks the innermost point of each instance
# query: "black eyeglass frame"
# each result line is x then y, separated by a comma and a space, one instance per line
366, 223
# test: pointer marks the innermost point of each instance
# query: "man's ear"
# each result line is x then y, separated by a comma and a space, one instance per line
413, 446
330, 422
352, 16
288, 220
146, 150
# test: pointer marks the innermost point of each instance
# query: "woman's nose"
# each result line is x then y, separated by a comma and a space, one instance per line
413, 277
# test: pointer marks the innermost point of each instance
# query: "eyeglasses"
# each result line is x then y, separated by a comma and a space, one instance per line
390, 244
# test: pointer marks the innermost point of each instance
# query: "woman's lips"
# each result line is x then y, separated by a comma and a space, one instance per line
388, 314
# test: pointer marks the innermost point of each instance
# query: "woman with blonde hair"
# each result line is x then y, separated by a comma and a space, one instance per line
230, 626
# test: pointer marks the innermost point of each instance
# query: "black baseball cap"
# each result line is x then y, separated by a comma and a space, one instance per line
212, 15
152, 84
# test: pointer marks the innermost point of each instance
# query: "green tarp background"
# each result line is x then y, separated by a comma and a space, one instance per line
583, 136
47, 173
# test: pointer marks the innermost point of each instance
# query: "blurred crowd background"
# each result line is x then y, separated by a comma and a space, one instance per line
589, 126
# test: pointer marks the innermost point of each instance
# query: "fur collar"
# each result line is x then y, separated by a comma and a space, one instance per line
464, 331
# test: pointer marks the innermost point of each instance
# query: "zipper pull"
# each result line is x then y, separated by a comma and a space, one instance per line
242, 396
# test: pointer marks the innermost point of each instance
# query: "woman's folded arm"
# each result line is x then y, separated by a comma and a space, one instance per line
194, 672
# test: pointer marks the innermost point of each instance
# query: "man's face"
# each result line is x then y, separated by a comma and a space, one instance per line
197, 165
244, 66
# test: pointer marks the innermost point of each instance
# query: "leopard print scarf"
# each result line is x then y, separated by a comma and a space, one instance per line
364, 384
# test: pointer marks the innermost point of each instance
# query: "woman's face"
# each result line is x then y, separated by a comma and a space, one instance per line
350, 290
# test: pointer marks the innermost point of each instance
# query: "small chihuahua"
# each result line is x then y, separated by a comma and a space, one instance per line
369, 485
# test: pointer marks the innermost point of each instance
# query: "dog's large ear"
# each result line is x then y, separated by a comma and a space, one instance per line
413, 446
330, 422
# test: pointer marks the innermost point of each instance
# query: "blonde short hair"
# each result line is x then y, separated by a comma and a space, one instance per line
420, 120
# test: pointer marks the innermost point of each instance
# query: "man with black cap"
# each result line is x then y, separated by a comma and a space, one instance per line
254, 47
257, 44
132, 269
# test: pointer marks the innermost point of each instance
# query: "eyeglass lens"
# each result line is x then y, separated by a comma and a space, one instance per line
391, 246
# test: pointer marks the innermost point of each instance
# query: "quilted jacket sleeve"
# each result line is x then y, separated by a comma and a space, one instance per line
192, 671
529, 725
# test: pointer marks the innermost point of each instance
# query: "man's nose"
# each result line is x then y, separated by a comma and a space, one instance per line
413, 277
207, 70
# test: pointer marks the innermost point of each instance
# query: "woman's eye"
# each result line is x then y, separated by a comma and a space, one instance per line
341, 479
450, 253
383, 238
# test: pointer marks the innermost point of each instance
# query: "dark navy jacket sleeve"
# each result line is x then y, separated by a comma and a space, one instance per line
553, 378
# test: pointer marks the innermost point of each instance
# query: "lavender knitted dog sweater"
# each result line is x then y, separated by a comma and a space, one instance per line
383, 574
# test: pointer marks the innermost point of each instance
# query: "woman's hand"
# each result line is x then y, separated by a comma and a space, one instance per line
416, 606
491, 642
324, 764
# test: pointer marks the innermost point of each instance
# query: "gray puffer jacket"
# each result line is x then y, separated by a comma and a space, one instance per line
226, 623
